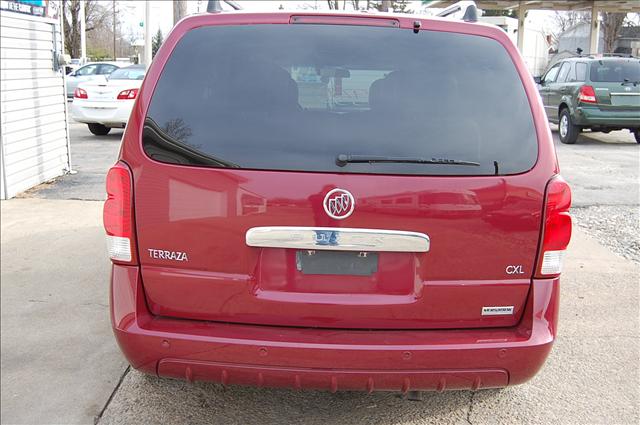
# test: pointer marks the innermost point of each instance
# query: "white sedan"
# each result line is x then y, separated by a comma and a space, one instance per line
105, 104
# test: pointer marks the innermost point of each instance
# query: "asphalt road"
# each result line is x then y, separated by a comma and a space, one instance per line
61, 364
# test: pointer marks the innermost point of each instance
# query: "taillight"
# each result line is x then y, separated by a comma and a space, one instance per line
118, 214
557, 228
128, 94
79, 93
587, 95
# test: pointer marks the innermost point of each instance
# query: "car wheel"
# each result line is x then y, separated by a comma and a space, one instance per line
636, 134
99, 129
566, 130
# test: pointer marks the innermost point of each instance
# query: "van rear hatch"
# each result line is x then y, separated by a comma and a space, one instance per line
338, 176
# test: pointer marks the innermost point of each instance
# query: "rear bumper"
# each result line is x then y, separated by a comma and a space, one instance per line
332, 359
593, 116
110, 114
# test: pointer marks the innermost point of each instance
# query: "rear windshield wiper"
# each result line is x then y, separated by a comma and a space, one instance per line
344, 159
628, 81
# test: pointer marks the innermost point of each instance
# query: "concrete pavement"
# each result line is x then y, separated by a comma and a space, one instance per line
602, 169
59, 360
91, 157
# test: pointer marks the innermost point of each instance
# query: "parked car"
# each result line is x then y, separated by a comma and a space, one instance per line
595, 93
88, 72
106, 103
264, 231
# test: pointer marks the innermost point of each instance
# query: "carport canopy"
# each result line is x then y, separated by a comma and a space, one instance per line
521, 6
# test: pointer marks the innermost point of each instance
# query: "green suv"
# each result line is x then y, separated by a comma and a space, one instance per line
600, 94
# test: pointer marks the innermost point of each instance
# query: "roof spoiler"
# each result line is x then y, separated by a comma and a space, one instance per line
215, 6
465, 10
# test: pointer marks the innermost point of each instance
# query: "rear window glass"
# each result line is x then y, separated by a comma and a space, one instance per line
127, 74
613, 71
294, 97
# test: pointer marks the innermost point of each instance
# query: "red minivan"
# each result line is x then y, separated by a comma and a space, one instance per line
341, 201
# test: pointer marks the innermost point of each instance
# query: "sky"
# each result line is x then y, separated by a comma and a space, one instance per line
162, 12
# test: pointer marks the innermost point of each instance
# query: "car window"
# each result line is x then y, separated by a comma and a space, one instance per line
87, 70
551, 75
615, 70
128, 74
564, 71
294, 97
107, 69
580, 71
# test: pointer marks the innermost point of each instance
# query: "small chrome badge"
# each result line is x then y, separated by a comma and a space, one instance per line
497, 310
339, 204
161, 254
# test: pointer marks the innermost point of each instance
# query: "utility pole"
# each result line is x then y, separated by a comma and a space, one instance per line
179, 10
147, 34
83, 34
386, 4
114, 30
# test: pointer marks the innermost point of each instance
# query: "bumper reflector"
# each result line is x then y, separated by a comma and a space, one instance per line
552, 262
119, 248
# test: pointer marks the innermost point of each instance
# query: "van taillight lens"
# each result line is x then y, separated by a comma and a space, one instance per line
587, 95
79, 93
557, 228
118, 214
128, 94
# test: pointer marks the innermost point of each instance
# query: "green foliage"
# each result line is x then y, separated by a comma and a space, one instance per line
156, 42
97, 54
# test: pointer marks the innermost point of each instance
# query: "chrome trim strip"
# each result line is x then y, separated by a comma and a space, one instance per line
337, 239
625, 94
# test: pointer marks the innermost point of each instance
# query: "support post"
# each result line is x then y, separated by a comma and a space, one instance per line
83, 33
594, 34
147, 34
522, 10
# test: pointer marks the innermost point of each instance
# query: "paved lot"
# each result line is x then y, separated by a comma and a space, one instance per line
60, 362
91, 157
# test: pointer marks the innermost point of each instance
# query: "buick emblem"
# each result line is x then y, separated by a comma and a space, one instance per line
339, 204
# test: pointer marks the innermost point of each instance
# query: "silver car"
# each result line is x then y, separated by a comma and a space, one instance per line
88, 72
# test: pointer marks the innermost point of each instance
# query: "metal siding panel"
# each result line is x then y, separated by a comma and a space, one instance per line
31, 133
34, 129
24, 54
51, 138
29, 123
16, 43
41, 163
14, 95
19, 74
36, 155
32, 113
52, 81
10, 22
33, 103
27, 34
27, 64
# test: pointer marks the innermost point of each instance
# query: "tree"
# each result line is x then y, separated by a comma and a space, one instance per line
97, 16
179, 10
565, 20
611, 25
399, 6
156, 42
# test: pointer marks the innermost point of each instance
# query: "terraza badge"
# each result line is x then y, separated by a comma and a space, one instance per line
160, 254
